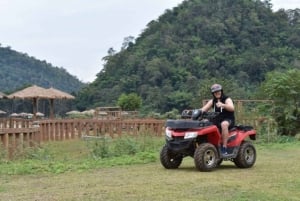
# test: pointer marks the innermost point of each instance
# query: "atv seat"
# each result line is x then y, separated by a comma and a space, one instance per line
233, 128
244, 128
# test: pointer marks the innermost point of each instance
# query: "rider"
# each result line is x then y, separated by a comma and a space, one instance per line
224, 105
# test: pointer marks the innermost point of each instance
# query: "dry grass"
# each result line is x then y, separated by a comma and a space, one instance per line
275, 176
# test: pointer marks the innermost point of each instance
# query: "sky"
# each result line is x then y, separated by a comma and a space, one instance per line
76, 34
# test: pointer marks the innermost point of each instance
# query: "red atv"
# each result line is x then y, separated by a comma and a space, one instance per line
201, 139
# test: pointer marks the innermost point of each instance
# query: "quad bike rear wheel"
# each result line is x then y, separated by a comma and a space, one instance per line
168, 159
246, 156
206, 157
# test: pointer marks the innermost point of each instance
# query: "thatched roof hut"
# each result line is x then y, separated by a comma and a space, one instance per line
30, 92
35, 93
57, 94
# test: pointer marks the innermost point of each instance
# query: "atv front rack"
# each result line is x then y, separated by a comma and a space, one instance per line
186, 124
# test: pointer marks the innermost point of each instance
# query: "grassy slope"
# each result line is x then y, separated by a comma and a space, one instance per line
275, 176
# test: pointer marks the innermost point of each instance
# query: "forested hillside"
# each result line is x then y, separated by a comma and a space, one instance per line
178, 56
18, 70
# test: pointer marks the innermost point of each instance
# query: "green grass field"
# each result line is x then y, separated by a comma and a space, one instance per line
69, 173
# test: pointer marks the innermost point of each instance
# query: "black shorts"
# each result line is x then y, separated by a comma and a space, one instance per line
231, 123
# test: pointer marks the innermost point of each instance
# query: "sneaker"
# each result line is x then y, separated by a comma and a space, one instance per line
224, 150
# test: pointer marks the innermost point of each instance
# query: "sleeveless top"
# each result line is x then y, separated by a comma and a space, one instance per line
224, 114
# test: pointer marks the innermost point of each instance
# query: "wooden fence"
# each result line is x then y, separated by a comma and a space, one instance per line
56, 130
17, 134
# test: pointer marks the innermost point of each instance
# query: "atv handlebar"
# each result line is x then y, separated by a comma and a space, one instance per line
210, 115
186, 114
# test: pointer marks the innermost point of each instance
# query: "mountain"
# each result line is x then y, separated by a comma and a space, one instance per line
178, 56
19, 70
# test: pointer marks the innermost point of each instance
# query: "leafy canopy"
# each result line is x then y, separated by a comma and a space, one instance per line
284, 89
176, 57
129, 102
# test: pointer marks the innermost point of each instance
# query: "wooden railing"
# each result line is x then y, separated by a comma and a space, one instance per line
17, 134
14, 140
76, 128
14, 123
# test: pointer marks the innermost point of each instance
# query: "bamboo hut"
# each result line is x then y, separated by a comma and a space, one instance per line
35, 93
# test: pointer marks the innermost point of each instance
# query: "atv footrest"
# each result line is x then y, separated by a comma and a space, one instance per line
228, 155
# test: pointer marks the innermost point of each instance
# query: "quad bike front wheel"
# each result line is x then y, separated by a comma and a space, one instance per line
246, 156
206, 157
169, 159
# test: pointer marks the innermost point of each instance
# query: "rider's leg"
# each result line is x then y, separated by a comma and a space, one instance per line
225, 125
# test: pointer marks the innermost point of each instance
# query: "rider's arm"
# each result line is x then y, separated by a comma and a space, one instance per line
207, 106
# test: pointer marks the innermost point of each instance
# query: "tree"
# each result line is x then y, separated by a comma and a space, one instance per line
284, 89
129, 102
180, 100
175, 60
128, 41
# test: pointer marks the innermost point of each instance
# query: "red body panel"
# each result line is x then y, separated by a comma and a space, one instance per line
214, 136
240, 136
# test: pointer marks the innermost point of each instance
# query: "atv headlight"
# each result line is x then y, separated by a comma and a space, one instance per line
168, 134
189, 135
